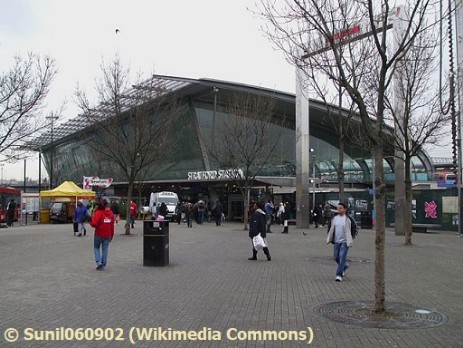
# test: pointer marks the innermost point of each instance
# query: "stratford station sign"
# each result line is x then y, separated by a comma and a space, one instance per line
223, 174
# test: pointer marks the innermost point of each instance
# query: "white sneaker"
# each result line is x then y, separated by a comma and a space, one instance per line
338, 279
345, 270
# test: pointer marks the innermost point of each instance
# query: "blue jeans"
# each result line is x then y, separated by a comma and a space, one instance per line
339, 255
269, 222
200, 217
101, 256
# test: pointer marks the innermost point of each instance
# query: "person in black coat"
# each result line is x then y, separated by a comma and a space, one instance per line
258, 224
217, 211
163, 209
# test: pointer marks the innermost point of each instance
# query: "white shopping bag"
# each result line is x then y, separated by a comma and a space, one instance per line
258, 242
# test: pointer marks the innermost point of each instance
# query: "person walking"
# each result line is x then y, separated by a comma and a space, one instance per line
178, 212
80, 217
316, 214
257, 225
269, 208
327, 214
133, 213
341, 233
163, 210
280, 213
189, 214
10, 211
201, 211
103, 222
218, 211
115, 210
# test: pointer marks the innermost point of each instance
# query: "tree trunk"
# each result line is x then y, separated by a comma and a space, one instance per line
340, 168
408, 202
246, 206
380, 284
129, 196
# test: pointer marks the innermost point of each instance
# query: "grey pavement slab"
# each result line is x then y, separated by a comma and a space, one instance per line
48, 280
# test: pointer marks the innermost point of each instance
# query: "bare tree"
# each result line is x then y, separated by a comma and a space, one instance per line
132, 124
421, 121
340, 125
326, 34
248, 140
23, 89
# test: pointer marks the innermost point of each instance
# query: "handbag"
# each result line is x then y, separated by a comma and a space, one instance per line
258, 242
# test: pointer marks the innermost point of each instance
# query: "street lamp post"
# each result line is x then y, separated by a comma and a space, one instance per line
313, 181
40, 169
2, 165
53, 118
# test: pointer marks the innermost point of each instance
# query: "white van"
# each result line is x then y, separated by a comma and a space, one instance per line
168, 198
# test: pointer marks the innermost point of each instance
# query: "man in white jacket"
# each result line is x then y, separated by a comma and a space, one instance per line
341, 233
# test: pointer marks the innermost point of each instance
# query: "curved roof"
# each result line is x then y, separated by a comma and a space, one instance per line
200, 88
204, 89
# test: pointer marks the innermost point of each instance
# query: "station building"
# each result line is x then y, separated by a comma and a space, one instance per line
190, 171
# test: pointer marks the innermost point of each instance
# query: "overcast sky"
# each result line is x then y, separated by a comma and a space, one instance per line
219, 39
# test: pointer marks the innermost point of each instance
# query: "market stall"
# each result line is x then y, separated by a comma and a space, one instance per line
64, 199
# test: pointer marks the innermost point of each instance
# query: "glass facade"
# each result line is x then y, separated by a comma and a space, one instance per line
73, 159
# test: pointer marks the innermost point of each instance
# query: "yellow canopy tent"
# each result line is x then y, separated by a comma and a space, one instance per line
68, 189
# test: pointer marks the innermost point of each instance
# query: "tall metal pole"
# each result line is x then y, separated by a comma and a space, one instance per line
459, 44
51, 156
342, 177
399, 29
302, 153
24, 184
23, 203
53, 118
40, 170
313, 176
2, 165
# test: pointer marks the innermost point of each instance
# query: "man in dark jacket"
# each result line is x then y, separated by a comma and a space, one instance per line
80, 217
10, 211
163, 210
258, 224
217, 211
178, 212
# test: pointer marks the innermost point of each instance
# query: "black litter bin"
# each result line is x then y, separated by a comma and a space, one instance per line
155, 243
366, 220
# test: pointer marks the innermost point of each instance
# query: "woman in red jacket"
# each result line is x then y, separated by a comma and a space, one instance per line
103, 222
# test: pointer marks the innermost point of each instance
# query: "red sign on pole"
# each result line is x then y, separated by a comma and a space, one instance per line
345, 33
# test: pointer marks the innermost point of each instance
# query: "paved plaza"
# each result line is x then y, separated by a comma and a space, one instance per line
48, 281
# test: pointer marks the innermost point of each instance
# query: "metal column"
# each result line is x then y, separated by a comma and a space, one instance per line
302, 153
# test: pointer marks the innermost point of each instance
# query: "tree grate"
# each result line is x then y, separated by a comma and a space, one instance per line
397, 316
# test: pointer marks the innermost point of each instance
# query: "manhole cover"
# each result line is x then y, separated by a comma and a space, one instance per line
323, 259
397, 316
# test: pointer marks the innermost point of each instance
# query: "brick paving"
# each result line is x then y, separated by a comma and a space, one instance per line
48, 280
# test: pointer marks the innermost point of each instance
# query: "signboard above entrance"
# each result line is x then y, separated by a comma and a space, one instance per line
225, 174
